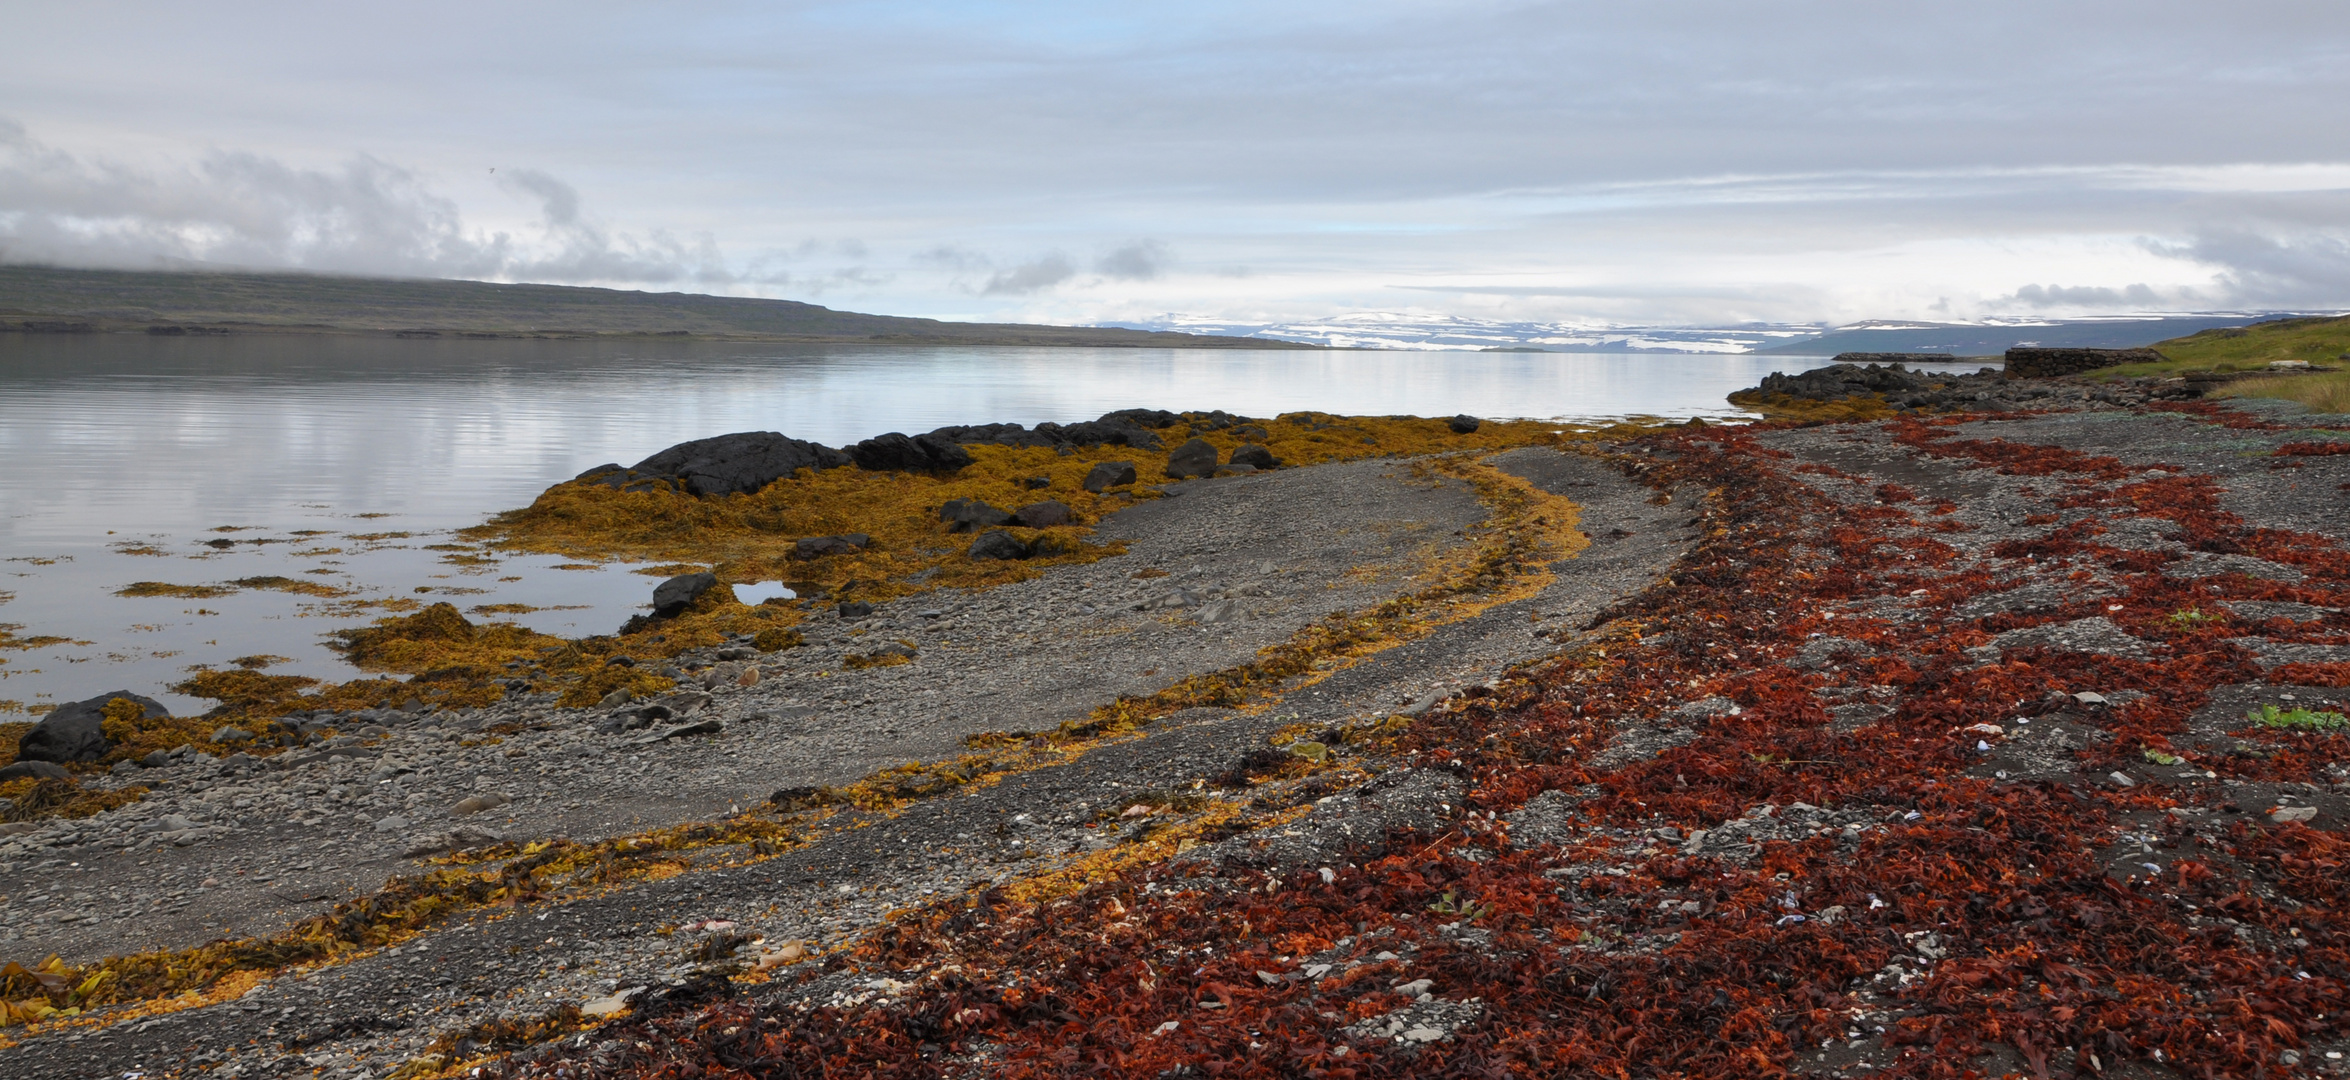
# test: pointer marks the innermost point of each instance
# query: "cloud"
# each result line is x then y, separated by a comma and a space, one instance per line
231, 208
365, 216
1142, 260
2257, 269
2139, 297
1701, 160
1030, 277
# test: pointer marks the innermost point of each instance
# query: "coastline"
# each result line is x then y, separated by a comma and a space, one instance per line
1810, 620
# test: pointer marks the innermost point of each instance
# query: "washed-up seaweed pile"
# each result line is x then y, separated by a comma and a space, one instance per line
1825, 852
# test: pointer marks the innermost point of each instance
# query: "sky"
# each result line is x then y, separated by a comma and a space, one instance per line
1671, 162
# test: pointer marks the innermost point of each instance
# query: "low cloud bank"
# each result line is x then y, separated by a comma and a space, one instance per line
365, 216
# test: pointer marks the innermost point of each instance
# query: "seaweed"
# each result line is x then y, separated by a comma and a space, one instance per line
1960, 915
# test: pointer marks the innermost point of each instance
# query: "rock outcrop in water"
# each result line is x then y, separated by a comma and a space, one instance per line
744, 462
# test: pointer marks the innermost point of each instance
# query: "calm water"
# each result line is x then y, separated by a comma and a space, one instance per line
124, 455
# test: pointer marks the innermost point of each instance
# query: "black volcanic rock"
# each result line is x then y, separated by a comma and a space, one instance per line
742, 462
72, 732
898, 452
972, 515
1109, 474
1194, 458
672, 597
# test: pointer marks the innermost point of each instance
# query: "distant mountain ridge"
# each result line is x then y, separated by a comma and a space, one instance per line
1987, 337
1399, 330
48, 299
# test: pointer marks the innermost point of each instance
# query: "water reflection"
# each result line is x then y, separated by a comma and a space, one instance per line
125, 454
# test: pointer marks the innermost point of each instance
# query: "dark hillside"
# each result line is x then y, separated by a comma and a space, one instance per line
45, 299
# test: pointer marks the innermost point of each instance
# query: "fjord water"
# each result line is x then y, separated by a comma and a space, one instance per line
201, 460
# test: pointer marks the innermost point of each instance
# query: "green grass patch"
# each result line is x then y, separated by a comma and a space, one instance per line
2297, 719
2325, 392
2229, 349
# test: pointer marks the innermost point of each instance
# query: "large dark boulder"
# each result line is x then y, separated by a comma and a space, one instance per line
672, 597
898, 452
742, 462
1194, 458
1463, 424
946, 455
72, 732
1109, 474
1147, 418
1113, 429
971, 515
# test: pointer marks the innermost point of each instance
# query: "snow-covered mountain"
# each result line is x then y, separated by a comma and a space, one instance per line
1401, 330
1983, 337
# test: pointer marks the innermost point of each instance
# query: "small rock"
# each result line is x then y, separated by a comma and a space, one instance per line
854, 609
706, 727
817, 547
672, 597
38, 770
2283, 814
474, 804
1217, 612
2121, 778
1043, 515
463, 836
1463, 424
394, 823
231, 733
971, 515
1036, 483
1255, 457
157, 759
998, 544
1194, 458
618, 697
2087, 697
610, 1005
1109, 474
773, 956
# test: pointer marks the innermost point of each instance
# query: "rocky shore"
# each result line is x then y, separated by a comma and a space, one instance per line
2007, 738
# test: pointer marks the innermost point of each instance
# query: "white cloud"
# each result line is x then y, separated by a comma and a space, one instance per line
1705, 160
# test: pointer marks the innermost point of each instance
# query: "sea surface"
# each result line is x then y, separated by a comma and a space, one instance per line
341, 461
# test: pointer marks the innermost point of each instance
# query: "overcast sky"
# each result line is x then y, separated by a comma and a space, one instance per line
1662, 162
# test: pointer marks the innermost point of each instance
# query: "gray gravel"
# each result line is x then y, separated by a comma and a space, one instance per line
247, 849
